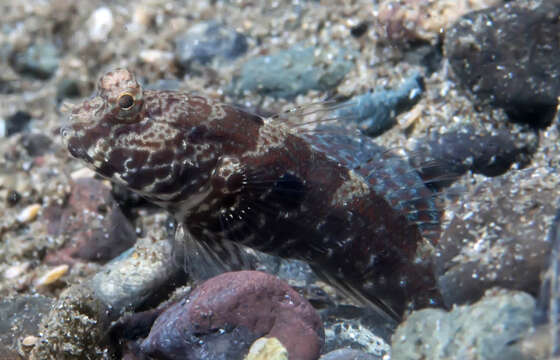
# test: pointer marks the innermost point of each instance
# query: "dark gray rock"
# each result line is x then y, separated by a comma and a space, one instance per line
510, 56
68, 89
442, 158
36, 144
294, 71
486, 330
38, 60
17, 122
20, 317
223, 316
498, 236
206, 41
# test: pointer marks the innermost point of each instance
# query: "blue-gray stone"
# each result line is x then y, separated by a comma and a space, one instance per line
20, 316
39, 60
486, 330
294, 71
375, 112
206, 41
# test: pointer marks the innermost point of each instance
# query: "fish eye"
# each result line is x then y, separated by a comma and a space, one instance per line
125, 101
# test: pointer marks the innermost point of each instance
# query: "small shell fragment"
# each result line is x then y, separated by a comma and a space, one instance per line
29, 341
52, 275
29, 214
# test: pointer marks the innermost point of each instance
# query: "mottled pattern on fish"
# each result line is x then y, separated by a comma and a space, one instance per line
339, 202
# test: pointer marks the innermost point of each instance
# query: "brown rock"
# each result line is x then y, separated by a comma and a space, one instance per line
94, 227
223, 316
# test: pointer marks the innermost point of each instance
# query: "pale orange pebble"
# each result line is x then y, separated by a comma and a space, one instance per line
52, 275
29, 213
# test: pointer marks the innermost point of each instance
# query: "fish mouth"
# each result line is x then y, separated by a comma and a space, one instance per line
75, 146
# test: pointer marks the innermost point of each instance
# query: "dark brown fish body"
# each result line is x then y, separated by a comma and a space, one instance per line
230, 176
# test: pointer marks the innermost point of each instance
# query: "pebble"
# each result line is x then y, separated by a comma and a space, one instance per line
36, 144
68, 88
349, 354
375, 112
443, 158
295, 71
52, 275
29, 213
16, 123
16, 270
39, 60
222, 317
74, 328
206, 41
136, 276
423, 20
357, 328
509, 56
82, 173
100, 24
156, 57
12, 198
93, 227
29, 341
485, 330
498, 236
267, 349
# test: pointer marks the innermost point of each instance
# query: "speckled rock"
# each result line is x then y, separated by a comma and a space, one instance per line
294, 71
510, 56
498, 236
206, 41
38, 60
356, 328
424, 20
75, 328
375, 112
139, 276
20, 317
226, 314
442, 158
94, 226
486, 330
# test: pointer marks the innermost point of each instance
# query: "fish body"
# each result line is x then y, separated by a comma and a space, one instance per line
231, 177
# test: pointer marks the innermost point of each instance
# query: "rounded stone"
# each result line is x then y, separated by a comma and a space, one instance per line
223, 316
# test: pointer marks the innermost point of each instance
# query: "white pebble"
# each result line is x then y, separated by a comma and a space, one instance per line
152, 56
100, 24
82, 173
15, 271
